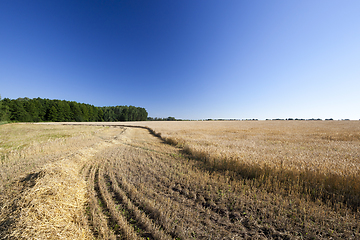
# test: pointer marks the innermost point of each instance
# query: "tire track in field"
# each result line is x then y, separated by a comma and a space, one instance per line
112, 216
143, 211
146, 182
97, 214
139, 190
54, 204
176, 192
187, 192
113, 207
135, 215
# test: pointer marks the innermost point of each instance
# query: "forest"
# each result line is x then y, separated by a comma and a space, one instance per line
47, 110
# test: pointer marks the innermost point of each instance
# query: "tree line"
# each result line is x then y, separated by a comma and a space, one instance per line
163, 119
46, 110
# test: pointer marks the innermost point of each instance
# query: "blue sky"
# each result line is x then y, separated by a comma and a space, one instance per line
191, 59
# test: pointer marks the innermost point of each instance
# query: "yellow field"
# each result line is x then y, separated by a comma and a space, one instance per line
199, 180
327, 147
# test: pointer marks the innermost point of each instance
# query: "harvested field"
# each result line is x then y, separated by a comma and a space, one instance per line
316, 158
42, 192
131, 184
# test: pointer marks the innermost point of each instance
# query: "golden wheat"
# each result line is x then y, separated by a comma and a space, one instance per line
215, 180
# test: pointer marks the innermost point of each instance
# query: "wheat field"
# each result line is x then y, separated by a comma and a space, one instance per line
180, 180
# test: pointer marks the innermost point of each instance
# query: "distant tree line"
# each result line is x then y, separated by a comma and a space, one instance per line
40, 110
163, 119
297, 119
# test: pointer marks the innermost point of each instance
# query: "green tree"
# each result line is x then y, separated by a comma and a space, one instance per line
4, 109
31, 109
41, 106
53, 114
76, 112
68, 117
38, 109
91, 113
85, 112
60, 111
100, 115
124, 114
18, 112
109, 115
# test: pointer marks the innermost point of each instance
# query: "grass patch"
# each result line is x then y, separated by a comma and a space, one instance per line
3, 122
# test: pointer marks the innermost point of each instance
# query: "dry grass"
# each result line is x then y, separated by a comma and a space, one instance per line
26, 148
326, 147
54, 206
215, 180
320, 159
42, 191
163, 194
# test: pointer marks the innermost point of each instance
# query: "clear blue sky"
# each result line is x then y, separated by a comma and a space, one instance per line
191, 59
